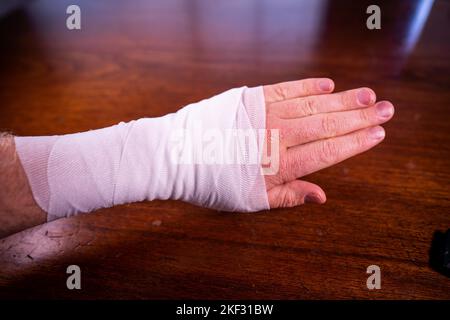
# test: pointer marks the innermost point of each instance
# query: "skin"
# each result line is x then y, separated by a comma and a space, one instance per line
318, 128
18, 210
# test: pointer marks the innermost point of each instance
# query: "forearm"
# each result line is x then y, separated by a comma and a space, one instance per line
18, 210
206, 154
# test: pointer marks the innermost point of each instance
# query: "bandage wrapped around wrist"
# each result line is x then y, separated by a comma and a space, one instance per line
197, 155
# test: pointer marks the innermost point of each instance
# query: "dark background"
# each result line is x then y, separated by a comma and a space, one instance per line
135, 59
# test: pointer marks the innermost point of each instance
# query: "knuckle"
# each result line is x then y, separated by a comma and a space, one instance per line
330, 125
364, 117
328, 152
304, 86
281, 92
360, 141
288, 199
347, 98
310, 106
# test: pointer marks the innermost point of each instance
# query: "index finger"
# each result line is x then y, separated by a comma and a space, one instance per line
314, 156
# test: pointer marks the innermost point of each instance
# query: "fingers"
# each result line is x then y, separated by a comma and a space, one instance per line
295, 193
300, 88
308, 158
305, 106
328, 125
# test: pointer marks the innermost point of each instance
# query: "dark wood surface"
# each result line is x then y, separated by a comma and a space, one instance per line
146, 58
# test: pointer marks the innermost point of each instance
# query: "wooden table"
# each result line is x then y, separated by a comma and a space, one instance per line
148, 58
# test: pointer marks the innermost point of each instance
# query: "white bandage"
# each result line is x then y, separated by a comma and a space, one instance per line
189, 155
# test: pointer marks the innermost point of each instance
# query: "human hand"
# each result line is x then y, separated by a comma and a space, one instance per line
318, 129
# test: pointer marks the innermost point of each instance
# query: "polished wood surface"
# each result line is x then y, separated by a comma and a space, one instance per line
134, 59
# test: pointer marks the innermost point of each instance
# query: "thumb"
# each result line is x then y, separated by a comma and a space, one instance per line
295, 193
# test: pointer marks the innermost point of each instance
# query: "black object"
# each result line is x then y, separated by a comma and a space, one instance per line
440, 252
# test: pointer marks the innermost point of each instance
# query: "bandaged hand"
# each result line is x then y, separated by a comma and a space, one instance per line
242, 151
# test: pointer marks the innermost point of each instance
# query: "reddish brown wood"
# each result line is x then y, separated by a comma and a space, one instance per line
148, 58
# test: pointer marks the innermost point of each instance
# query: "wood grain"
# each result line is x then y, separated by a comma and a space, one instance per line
148, 58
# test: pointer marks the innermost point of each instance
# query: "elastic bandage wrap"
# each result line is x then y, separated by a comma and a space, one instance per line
181, 156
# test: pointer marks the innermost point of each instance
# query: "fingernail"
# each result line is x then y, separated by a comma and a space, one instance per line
313, 198
377, 133
325, 85
384, 110
364, 97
